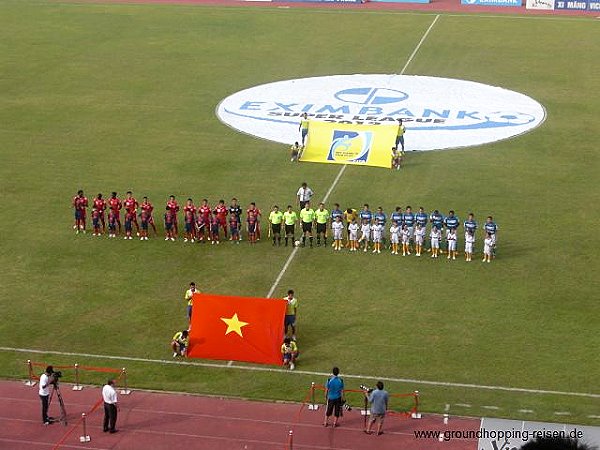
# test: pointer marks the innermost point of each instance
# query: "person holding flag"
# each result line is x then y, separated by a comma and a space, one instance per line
189, 298
289, 350
179, 343
400, 135
303, 127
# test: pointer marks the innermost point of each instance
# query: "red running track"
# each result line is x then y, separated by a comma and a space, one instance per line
155, 421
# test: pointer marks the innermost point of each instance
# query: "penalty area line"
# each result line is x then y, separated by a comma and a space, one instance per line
305, 372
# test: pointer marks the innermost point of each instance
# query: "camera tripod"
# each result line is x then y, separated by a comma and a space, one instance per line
61, 404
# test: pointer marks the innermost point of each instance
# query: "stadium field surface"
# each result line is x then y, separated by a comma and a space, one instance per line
105, 97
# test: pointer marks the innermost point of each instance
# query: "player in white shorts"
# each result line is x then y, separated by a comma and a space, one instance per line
394, 237
435, 237
419, 238
377, 236
488, 247
353, 235
469, 242
365, 234
337, 228
405, 240
451, 239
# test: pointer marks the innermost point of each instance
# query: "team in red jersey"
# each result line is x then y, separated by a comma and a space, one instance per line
98, 209
202, 223
173, 208
220, 213
189, 216
114, 214
80, 204
131, 206
147, 208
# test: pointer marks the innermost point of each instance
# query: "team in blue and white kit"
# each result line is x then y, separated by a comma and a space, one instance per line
416, 232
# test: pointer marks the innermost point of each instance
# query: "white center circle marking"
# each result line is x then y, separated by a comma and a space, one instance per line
438, 113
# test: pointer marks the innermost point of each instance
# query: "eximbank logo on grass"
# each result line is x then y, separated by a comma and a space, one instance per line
438, 113
350, 146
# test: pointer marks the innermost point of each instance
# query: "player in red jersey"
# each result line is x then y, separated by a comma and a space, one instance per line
129, 218
220, 213
115, 205
234, 228
144, 221
96, 222
148, 208
169, 225
99, 205
251, 226
80, 203
189, 213
257, 215
131, 206
174, 209
204, 213
214, 229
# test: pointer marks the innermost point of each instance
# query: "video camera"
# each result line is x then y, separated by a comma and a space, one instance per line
54, 376
367, 389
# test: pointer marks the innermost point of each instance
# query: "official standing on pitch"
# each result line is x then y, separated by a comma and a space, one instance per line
44, 392
304, 195
109, 395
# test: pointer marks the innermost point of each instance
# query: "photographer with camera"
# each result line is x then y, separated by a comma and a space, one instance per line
46, 379
378, 398
334, 394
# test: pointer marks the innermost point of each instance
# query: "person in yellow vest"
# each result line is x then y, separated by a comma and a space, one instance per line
189, 298
400, 135
289, 351
275, 218
290, 218
296, 152
322, 218
179, 343
307, 217
303, 128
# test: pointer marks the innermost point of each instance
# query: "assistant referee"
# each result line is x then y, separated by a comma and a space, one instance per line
307, 217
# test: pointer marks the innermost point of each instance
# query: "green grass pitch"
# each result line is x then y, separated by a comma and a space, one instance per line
114, 97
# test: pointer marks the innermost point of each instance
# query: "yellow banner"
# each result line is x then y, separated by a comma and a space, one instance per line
339, 143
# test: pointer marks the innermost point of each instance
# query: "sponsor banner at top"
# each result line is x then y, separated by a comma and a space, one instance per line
492, 2
320, 1
540, 4
578, 5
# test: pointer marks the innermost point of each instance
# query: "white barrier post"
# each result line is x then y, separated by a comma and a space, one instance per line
84, 437
416, 414
312, 406
125, 390
77, 386
30, 377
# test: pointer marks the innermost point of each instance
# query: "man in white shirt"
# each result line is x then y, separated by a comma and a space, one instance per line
109, 395
44, 391
304, 195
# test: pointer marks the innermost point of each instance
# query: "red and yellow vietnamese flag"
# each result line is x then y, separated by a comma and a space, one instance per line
237, 328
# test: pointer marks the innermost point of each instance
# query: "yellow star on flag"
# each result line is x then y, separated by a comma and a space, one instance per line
234, 325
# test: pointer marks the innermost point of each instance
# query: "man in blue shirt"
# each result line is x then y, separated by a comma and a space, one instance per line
365, 214
397, 216
334, 393
421, 217
379, 404
470, 224
491, 228
437, 219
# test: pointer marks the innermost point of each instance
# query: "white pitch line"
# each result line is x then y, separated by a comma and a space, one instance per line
304, 372
463, 405
592, 416
562, 413
526, 411
410, 58
490, 407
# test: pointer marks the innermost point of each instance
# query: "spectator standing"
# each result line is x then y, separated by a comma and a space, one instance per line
109, 395
379, 403
334, 393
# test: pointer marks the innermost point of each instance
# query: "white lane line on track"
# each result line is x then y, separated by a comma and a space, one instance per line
306, 372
